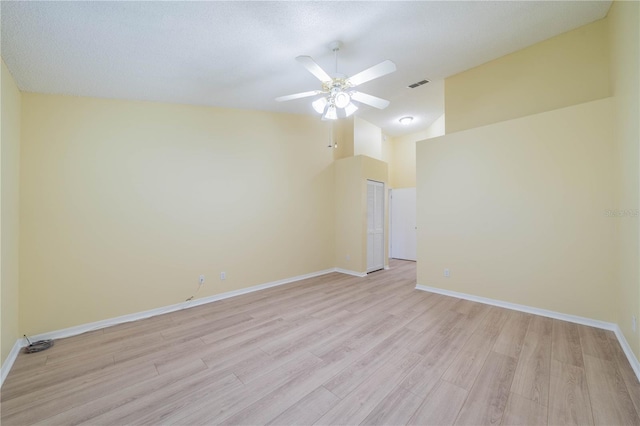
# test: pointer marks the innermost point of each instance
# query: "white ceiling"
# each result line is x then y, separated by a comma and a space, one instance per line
241, 54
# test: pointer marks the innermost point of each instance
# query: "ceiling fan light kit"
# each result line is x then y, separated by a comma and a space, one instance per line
342, 99
350, 109
337, 94
319, 105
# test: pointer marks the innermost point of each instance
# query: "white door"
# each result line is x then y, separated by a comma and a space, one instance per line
375, 226
403, 223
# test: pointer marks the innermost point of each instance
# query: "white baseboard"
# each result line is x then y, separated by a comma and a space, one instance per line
522, 308
11, 358
627, 351
546, 313
348, 272
83, 328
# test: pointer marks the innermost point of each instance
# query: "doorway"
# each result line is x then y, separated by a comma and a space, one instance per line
375, 226
403, 224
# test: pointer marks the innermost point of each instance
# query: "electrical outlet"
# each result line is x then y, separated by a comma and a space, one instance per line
447, 273
348, 257
634, 323
201, 279
223, 275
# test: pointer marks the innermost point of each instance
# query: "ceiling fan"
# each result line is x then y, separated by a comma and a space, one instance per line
337, 91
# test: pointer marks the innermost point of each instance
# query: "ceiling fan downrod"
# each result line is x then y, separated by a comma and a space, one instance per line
335, 47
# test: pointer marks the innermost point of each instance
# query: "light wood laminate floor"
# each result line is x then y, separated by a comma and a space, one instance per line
330, 350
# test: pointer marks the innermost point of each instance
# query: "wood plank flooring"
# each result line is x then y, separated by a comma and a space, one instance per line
330, 350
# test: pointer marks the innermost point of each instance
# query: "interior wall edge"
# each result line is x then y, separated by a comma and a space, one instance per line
353, 273
10, 214
11, 358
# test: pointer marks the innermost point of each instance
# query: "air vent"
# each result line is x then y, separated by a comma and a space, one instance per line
418, 84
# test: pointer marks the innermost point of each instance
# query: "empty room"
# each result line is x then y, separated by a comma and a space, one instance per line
327, 212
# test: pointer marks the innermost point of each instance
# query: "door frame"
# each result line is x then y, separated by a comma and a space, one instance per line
384, 233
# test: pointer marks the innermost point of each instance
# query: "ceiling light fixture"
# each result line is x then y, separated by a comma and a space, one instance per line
319, 105
406, 120
342, 99
337, 102
331, 113
350, 109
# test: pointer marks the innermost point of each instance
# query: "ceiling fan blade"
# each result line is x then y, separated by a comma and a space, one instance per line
370, 100
313, 68
298, 95
383, 68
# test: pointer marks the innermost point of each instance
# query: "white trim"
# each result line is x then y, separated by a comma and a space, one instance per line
97, 325
11, 358
546, 313
83, 328
348, 272
522, 308
627, 351
72, 331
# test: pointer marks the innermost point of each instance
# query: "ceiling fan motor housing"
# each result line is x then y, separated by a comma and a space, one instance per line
335, 45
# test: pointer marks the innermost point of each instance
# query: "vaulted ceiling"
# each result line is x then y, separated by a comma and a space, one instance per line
241, 54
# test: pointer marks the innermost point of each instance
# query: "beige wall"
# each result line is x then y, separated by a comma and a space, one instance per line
9, 227
124, 204
403, 170
592, 62
387, 152
624, 26
367, 139
564, 70
343, 136
516, 209
355, 136
348, 214
351, 176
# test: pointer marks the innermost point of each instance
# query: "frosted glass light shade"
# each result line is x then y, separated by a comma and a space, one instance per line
342, 99
331, 113
350, 109
319, 104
